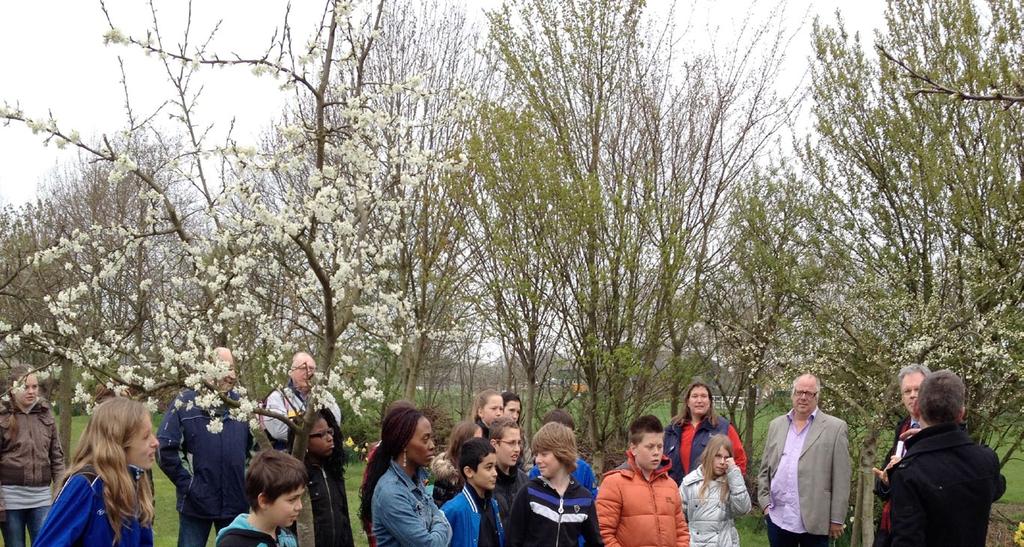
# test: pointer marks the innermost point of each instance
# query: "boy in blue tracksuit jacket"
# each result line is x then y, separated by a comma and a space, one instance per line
473, 514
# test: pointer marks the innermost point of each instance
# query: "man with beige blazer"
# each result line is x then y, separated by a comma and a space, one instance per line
804, 482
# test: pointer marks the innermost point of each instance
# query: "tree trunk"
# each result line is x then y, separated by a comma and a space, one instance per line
531, 403
509, 364
65, 393
410, 372
673, 399
304, 524
597, 457
857, 538
750, 414
864, 502
677, 377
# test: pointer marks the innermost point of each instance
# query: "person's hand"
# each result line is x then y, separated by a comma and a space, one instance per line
909, 433
836, 530
881, 475
730, 462
766, 509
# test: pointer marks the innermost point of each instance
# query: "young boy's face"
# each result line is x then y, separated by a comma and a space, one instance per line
283, 511
483, 478
509, 447
512, 410
648, 451
548, 464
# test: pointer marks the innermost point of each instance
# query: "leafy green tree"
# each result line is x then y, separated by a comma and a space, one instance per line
920, 208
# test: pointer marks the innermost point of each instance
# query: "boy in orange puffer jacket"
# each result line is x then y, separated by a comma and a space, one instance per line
638, 503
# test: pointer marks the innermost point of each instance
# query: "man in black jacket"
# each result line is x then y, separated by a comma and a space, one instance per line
909, 378
507, 439
943, 488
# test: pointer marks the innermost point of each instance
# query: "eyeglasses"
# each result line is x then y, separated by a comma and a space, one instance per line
321, 435
808, 394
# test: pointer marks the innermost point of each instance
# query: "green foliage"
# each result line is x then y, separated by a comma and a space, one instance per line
923, 200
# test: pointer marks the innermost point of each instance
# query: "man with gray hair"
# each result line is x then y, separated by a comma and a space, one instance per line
290, 400
909, 378
943, 488
804, 482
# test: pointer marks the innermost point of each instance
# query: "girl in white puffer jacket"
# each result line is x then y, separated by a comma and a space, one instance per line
713, 495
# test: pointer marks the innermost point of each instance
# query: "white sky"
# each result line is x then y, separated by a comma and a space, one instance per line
52, 58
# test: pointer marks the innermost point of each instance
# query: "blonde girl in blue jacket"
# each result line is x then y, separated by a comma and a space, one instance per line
102, 500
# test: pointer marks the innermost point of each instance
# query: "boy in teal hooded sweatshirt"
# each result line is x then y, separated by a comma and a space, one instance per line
274, 485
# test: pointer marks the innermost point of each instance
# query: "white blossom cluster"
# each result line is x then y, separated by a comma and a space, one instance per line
286, 240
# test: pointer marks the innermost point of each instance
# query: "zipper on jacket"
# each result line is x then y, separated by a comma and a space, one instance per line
561, 511
330, 503
654, 503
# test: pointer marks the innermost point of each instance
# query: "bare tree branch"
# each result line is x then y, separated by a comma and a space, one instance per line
933, 87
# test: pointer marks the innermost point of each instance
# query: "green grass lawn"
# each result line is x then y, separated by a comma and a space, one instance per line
1014, 473
751, 528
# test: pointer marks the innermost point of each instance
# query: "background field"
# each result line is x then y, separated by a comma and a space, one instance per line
751, 528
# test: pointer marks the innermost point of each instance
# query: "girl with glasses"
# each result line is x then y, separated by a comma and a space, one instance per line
325, 466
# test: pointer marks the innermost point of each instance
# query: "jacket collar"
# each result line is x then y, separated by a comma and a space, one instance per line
809, 418
9, 407
295, 390
137, 472
421, 476
544, 481
476, 502
937, 437
510, 477
629, 468
694, 477
705, 423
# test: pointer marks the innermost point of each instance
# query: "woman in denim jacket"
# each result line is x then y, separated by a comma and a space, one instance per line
393, 496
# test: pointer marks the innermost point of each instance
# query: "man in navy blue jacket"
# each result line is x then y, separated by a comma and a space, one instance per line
207, 469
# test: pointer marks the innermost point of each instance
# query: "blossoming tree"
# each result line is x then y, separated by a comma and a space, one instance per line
267, 248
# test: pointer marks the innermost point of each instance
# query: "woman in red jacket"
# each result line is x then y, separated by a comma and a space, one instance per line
688, 434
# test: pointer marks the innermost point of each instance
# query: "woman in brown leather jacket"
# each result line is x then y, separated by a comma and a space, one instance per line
31, 458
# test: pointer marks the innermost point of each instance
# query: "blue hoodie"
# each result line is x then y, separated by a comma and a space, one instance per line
79, 517
241, 534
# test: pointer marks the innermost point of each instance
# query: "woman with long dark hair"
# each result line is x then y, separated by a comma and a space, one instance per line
393, 496
689, 433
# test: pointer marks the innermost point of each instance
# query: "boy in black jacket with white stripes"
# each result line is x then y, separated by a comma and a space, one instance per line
553, 509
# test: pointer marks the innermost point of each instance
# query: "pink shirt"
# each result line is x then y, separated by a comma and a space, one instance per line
785, 489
